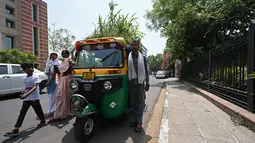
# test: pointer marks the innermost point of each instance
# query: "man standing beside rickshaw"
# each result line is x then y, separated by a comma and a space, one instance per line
139, 83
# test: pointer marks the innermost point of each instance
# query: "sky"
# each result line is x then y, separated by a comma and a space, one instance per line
78, 17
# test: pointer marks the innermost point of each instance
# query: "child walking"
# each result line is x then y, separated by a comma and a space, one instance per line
31, 98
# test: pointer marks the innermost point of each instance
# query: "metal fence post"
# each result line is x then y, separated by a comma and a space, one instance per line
173, 70
183, 72
209, 69
194, 70
250, 82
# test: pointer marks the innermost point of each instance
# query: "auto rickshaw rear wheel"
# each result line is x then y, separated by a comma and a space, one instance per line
84, 128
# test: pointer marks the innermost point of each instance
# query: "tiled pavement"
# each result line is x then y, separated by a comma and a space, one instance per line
193, 119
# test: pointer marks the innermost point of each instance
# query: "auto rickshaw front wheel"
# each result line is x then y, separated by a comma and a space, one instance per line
84, 128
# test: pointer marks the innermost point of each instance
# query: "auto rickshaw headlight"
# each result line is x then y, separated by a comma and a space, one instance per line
107, 85
74, 85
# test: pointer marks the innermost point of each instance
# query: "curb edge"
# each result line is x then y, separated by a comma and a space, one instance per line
154, 123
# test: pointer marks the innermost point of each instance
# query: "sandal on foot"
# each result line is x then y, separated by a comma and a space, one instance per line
132, 124
52, 120
138, 130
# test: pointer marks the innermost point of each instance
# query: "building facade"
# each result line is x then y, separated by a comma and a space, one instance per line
24, 25
165, 60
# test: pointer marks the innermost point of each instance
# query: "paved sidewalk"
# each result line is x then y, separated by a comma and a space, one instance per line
190, 118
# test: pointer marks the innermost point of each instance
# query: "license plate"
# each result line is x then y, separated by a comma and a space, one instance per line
89, 75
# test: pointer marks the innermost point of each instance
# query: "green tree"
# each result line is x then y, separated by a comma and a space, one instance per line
155, 62
16, 56
60, 39
117, 24
195, 26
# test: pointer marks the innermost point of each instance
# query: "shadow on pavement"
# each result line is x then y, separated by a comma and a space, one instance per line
24, 134
182, 86
114, 131
159, 84
69, 136
9, 97
62, 123
174, 82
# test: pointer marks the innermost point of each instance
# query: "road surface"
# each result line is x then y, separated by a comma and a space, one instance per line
118, 132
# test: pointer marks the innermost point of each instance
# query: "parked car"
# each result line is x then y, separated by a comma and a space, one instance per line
11, 79
161, 74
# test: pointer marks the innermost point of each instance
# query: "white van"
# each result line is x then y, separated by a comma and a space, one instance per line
11, 79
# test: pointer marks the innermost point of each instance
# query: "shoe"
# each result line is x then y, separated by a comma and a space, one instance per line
41, 124
132, 124
13, 133
138, 130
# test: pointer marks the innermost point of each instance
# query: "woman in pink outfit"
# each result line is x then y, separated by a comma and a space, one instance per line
64, 76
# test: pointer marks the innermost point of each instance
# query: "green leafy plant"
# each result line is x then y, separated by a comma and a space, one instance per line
16, 56
251, 76
117, 25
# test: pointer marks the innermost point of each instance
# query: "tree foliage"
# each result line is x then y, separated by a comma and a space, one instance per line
15, 56
195, 26
60, 39
155, 62
117, 24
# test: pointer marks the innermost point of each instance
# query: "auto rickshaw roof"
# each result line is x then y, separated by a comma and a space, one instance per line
119, 40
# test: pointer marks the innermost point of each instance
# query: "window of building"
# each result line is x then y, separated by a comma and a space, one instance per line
10, 23
35, 41
9, 10
9, 42
34, 12
3, 69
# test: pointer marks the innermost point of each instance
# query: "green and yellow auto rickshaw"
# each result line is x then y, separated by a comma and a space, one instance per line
100, 83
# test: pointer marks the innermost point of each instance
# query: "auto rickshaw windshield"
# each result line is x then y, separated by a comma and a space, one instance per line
96, 56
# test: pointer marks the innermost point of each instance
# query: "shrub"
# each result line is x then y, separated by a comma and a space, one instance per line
16, 56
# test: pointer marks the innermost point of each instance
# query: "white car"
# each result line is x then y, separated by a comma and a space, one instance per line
161, 74
11, 79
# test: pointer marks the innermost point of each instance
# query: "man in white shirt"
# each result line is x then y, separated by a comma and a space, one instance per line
138, 83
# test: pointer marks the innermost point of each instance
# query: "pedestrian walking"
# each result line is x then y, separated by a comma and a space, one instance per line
63, 104
30, 98
139, 83
51, 83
